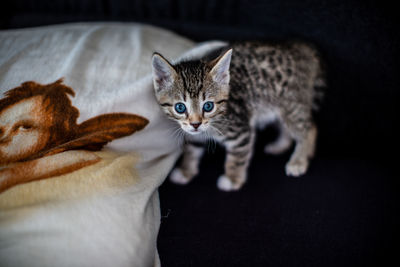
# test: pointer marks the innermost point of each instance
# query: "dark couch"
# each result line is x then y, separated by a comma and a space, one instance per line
344, 211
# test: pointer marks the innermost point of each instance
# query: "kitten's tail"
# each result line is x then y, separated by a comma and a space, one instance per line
320, 79
319, 84
316, 65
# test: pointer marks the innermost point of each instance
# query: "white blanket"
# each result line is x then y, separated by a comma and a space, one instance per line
108, 66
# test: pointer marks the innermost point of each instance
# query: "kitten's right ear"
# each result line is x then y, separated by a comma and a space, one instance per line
164, 73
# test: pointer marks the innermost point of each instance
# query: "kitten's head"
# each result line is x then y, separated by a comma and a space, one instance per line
193, 93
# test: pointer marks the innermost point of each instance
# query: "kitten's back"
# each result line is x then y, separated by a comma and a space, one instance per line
276, 72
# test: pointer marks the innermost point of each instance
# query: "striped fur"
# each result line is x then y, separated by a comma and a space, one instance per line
254, 85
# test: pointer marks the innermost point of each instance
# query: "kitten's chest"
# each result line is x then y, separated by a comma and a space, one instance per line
217, 135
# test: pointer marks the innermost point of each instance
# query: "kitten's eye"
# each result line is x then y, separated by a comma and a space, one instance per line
180, 108
208, 106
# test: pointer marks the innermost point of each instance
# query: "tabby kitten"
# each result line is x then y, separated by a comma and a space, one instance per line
248, 86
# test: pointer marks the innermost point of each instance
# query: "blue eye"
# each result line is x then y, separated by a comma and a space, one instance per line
208, 106
180, 108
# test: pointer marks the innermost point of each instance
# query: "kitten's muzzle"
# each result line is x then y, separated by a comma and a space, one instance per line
195, 124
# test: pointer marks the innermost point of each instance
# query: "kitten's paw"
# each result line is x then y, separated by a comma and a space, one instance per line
296, 168
226, 184
178, 177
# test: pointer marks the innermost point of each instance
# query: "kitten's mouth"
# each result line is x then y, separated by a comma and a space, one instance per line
194, 132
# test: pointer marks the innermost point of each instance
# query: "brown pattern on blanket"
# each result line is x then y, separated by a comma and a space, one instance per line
38, 126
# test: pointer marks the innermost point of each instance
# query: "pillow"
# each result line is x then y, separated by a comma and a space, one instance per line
106, 213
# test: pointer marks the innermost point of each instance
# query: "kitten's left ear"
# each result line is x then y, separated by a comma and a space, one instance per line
220, 69
163, 72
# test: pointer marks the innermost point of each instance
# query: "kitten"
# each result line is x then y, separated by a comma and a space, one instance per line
248, 86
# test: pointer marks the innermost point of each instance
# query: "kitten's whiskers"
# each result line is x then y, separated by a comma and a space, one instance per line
178, 135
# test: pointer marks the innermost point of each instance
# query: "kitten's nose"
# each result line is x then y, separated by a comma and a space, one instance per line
195, 124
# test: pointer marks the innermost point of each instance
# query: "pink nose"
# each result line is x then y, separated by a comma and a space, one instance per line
196, 124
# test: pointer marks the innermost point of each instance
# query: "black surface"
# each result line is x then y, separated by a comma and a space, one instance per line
344, 212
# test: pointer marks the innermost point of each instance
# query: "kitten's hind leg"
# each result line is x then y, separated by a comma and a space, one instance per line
189, 166
281, 144
298, 121
303, 152
238, 155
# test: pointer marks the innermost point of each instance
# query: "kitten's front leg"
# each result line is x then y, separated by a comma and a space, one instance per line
189, 166
238, 155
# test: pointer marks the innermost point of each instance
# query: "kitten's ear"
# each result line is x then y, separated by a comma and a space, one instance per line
220, 68
163, 72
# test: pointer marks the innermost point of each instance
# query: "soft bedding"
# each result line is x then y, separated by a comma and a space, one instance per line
87, 194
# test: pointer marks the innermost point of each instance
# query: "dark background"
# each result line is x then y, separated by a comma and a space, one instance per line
344, 211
